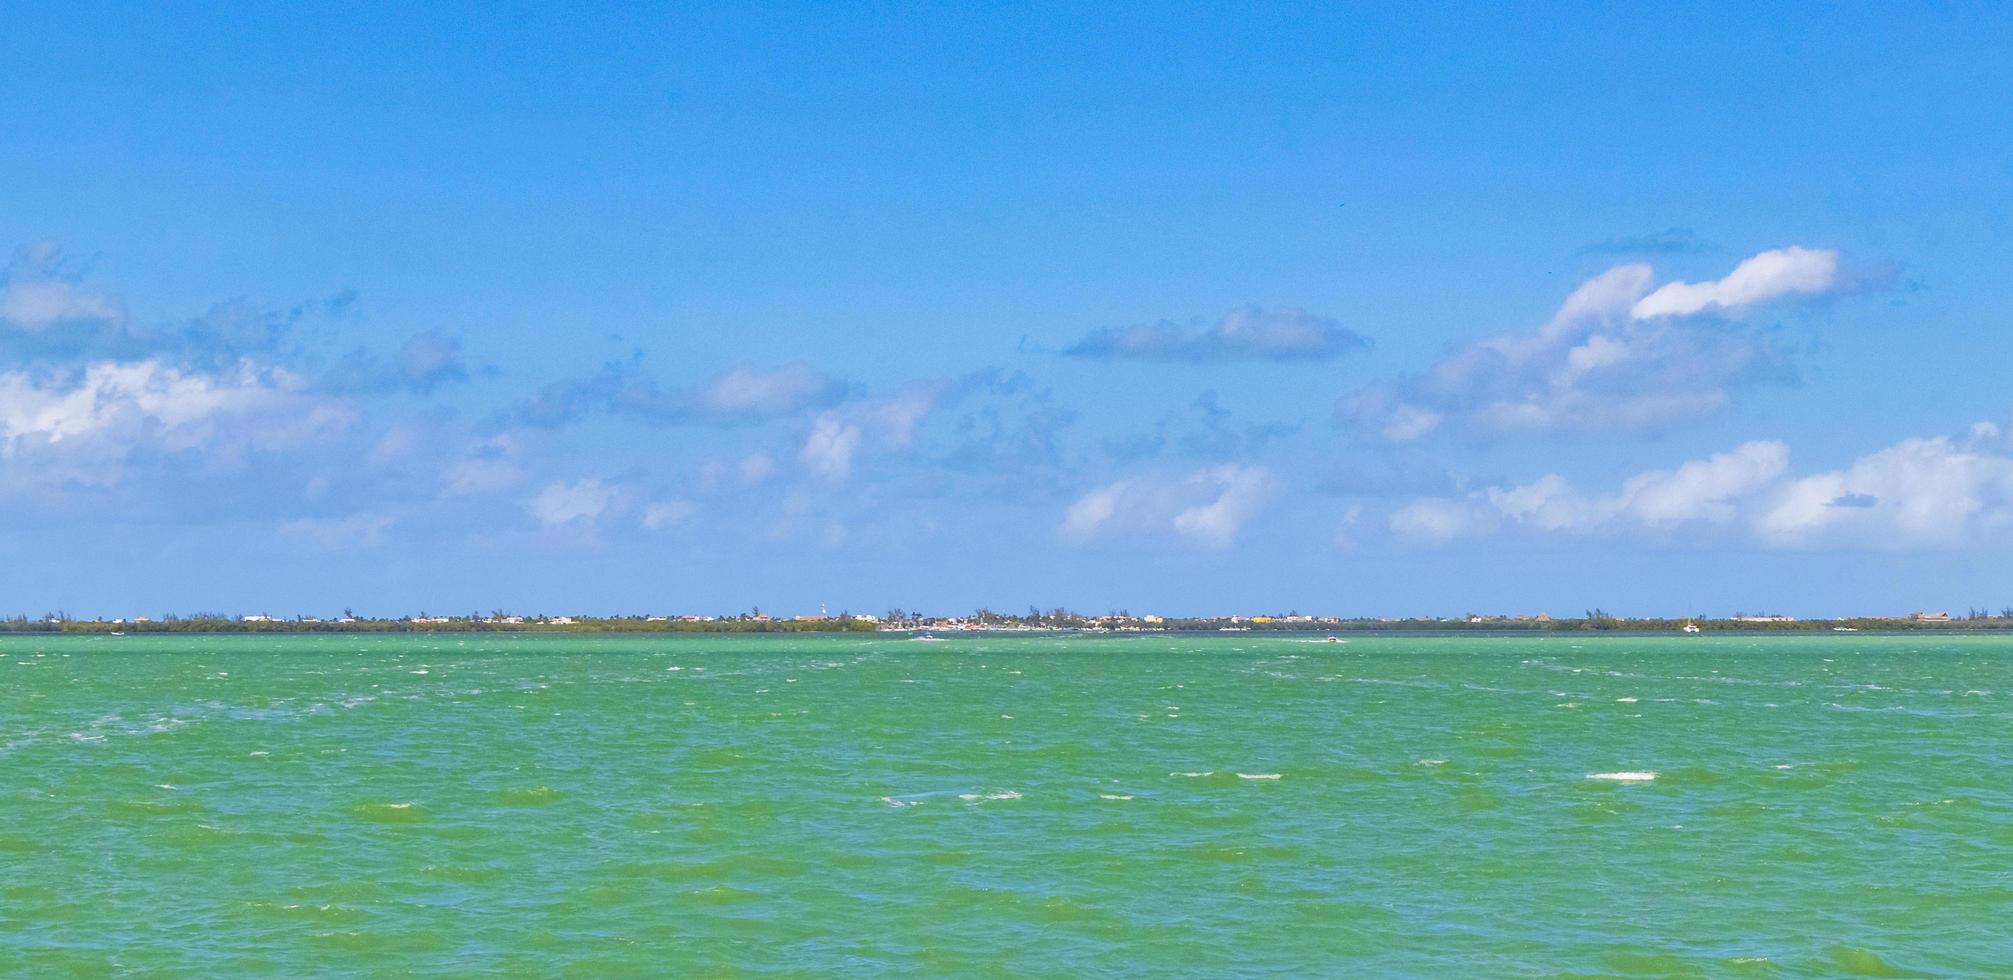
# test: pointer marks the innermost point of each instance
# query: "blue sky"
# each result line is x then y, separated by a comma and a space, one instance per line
1381, 310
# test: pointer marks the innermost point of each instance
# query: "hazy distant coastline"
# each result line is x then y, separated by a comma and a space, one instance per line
1035, 621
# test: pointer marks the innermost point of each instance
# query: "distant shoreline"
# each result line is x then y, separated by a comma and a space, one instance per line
1568, 628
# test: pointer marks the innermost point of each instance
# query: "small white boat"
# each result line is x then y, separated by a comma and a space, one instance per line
1845, 629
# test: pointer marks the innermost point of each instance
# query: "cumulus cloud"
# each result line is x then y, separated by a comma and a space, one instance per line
34, 305
1933, 492
1709, 491
1206, 507
828, 450
49, 313
1703, 489
884, 424
1921, 491
1621, 353
1248, 333
983, 423
492, 464
752, 393
1766, 276
81, 425
581, 502
1438, 520
37, 292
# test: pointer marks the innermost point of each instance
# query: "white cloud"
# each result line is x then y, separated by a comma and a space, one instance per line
1933, 491
1405, 423
747, 392
1549, 503
1207, 507
1437, 520
583, 502
36, 304
1604, 296
882, 425
1242, 490
1093, 510
1709, 491
1618, 355
1703, 489
35, 292
894, 418
80, 425
1768, 275
828, 450
491, 465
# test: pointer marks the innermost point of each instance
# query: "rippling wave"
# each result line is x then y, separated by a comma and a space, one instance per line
1806, 806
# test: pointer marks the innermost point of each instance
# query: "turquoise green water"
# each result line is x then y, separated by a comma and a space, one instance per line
747, 805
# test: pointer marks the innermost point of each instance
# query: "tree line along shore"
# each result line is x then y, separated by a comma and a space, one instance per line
985, 621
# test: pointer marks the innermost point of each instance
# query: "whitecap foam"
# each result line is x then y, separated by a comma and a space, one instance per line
1258, 775
1624, 777
981, 797
1625, 700
1113, 796
1431, 762
1193, 775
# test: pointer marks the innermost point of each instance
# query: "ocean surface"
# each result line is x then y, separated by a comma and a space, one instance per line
569, 805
